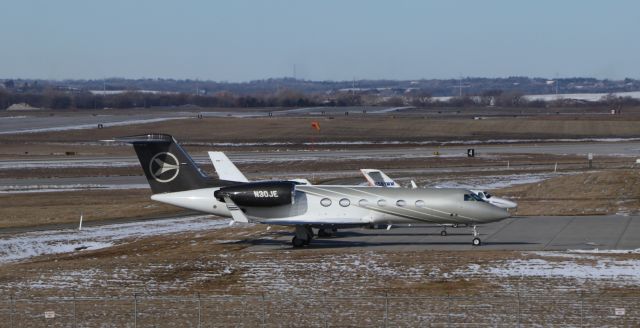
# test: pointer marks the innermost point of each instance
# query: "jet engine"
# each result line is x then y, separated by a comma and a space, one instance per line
259, 194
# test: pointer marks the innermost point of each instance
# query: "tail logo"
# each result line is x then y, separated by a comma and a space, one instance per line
164, 167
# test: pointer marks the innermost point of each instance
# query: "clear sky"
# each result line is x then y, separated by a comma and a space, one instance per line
241, 40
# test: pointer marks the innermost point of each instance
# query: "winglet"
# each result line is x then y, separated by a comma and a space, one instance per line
236, 212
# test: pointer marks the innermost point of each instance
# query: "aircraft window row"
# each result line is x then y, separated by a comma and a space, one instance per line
344, 202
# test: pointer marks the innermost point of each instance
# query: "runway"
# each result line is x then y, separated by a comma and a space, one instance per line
519, 234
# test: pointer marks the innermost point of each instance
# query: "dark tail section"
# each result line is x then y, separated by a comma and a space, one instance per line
167, 166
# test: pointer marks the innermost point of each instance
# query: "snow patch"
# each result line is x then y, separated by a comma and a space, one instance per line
563, 265
25, 245
72, 187
92, 125
498, 181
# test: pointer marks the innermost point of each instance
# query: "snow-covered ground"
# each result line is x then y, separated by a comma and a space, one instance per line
582, 96
91, 126
563, 265
22, 189
21, 246
496, 181
576, 96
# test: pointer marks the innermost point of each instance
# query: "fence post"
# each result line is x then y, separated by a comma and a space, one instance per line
264, 311
386, 308
518, 295
326, 310
199, 312
448, 310
135, 310
75, 320
12, 309
582, 309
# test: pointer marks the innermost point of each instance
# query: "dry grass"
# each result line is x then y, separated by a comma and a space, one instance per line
591, 193
297, 129
19, 210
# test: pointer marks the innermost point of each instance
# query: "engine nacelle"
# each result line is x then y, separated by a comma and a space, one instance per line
259, 194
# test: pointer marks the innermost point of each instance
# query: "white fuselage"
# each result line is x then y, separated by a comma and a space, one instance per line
353, 205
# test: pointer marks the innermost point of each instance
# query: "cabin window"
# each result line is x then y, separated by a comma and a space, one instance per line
363, 202
326, 202
345, 202
382, 202
401, 203
420, 203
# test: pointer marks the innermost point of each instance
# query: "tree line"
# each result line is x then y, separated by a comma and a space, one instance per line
57, 99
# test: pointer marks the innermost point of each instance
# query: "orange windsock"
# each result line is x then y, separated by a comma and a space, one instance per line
315, 125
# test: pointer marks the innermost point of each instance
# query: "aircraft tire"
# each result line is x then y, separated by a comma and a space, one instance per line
443, 233
476, 242
322, 233
297, 242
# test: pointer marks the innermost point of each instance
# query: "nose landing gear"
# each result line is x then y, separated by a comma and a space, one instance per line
476, 241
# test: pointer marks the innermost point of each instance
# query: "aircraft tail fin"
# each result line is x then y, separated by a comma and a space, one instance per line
167, 166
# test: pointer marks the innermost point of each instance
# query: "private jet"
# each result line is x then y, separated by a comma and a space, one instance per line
175, 179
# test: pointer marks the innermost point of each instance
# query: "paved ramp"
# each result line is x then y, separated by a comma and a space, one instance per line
520, 233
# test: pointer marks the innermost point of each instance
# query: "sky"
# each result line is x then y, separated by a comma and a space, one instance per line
244, 40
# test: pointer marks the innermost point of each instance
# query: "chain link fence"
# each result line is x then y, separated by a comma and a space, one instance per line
322, 311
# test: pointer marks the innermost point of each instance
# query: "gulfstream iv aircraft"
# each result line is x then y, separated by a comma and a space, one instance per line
175, 179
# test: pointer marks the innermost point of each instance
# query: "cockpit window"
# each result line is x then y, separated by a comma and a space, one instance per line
472, 198
488, 195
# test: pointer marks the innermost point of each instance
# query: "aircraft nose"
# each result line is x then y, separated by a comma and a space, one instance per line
500, 213
510, 204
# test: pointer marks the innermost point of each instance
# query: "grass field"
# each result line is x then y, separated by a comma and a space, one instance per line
296, 130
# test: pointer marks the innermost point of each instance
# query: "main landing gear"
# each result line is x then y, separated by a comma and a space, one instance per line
303, 236
304, 233
326, 233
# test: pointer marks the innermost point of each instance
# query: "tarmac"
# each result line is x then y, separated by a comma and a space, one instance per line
545, 233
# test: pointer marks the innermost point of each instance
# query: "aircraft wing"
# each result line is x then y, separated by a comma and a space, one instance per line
225, 168
333, 222
236, 213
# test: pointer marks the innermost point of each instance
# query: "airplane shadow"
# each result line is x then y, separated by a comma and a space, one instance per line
347, 234
341, 243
